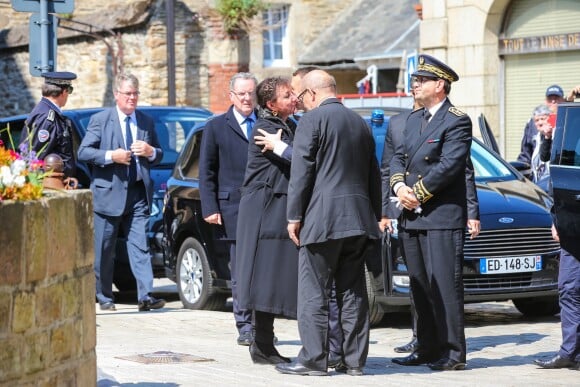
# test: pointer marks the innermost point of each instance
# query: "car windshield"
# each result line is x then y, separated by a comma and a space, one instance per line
488, 166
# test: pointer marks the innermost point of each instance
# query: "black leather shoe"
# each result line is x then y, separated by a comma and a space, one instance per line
298, 369
558, 362
411, 346
334, 360
151, 303
245, 338
352, 371
447, 364
269, 357
107, 306
414, 359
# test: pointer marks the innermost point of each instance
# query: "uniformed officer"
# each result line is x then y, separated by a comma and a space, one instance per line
46, 129
428, 175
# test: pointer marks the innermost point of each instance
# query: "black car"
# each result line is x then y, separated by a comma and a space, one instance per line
514, 257
565, 169
172, 125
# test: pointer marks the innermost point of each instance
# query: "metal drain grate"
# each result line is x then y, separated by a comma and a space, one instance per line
164, 357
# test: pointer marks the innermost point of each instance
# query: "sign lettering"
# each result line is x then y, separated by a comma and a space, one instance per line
533, 44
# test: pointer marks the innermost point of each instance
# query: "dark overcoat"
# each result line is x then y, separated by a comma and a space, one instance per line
267, 260
222, 162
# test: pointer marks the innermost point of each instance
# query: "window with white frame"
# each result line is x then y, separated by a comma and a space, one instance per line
275, 37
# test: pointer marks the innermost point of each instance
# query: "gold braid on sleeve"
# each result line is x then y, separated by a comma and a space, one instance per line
397, 178
421, 192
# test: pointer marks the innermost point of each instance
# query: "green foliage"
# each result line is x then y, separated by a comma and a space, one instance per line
237, 14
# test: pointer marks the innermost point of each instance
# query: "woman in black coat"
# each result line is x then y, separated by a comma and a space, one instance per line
267, 260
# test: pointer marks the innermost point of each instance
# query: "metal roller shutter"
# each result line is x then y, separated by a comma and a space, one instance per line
526, 80
528, 75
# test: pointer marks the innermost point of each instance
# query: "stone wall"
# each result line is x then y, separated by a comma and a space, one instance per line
47, 292
205, 57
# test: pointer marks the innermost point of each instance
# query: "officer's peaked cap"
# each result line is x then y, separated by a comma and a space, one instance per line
432, 67
59, 78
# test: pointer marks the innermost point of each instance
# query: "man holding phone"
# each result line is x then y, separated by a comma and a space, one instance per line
554, 96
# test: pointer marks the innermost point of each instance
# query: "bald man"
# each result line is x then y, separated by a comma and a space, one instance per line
334, 206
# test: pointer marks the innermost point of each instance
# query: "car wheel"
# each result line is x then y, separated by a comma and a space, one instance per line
194, 281
375, 312
536, 307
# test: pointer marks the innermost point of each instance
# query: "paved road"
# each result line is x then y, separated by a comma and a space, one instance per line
141, 349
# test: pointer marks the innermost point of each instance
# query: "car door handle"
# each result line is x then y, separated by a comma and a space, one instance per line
577, 198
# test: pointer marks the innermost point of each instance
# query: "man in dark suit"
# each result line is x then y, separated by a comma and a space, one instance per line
222, 166
428, 175
121, 145
395, 137
334, 205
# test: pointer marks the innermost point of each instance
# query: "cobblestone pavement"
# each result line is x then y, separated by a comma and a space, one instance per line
501, 347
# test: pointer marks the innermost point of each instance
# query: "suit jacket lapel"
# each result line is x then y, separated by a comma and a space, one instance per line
428, 131
140, 130
118, 131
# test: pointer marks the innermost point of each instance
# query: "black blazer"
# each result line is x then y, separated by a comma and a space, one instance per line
334, 187
434, 163
222, 165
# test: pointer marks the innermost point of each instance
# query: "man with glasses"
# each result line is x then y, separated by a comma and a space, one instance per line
46, 129
428, 175
333, 212
121, 145
222, 166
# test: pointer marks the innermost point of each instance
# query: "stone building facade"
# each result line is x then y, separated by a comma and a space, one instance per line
205, 56
507, 52
504, 83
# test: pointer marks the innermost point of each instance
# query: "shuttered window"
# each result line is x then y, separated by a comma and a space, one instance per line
528, 75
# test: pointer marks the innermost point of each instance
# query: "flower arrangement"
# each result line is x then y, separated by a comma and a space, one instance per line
21, 173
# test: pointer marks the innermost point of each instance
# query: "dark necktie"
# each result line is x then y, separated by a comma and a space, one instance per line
426, 117
249, 126
129, 142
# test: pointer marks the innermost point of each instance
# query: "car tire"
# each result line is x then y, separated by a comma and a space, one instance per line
194, 280
537, 307
375, 312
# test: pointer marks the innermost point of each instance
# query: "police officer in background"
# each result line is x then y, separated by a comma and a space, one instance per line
46, 129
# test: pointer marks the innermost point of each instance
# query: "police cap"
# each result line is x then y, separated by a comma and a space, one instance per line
432, 67
59, 78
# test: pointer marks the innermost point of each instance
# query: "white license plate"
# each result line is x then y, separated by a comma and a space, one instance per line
510, 265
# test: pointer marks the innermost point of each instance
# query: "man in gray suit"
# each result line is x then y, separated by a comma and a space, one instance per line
121, 145
334, 205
